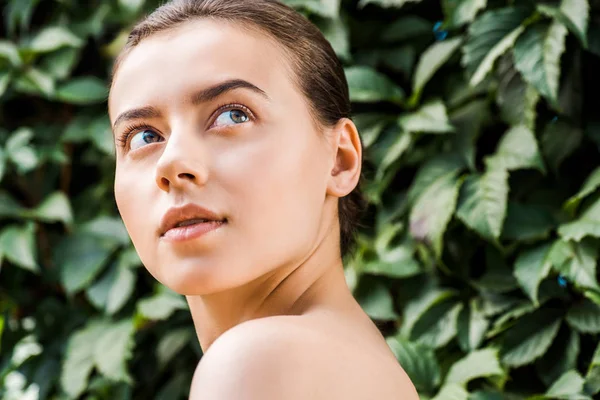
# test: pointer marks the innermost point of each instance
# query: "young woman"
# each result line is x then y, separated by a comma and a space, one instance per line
237, 178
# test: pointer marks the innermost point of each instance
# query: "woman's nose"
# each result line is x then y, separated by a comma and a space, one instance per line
181, 164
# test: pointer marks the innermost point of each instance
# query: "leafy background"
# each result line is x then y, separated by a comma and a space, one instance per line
478, 255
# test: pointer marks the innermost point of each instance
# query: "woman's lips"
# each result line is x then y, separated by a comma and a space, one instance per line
189, 232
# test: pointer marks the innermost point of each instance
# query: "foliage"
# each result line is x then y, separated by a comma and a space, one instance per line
479, 257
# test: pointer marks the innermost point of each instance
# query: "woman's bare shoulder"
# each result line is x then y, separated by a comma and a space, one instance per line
287, 357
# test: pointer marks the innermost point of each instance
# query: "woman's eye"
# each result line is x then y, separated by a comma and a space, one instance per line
231, 117
143, 138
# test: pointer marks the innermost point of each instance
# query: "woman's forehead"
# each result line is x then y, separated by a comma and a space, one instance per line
195, 55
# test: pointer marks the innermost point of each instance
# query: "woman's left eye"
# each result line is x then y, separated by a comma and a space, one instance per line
231, 117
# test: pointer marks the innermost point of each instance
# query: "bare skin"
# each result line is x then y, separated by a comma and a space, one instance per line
271, 307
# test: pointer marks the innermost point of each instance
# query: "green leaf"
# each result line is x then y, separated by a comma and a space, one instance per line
578, 12
433, 209
131, 6
107, 227
589, 186
490, 35
5, 79
530, 337
161, 305
9, 51
337, 34
113, 349
561, 357
482, 202
419, 305
60, 63
477, 364
452, 391
404, 28
516, 98
561, 17
460, 12
367, 85
370, 126
121, 290
52, 38
17, 244
80, 259
19, 151
537, 55
35, 81
418, 362
172, 343
82, 90
324, 8
432, 170
394, 152
397, 262
518, 149
586, 225
438, 325
472, 325
531, 267
469, 121
592, 378
585, 317
560, 139
527, 222
431, 118
375, 299
431, 60
55, 207
570, 383
576, 261
79, 358
386, 3
8, 206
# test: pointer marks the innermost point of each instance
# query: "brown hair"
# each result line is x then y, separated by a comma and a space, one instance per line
317, 70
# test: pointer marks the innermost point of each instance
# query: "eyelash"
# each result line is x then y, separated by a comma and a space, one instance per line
130, 129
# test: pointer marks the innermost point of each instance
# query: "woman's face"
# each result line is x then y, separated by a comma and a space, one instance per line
208, 114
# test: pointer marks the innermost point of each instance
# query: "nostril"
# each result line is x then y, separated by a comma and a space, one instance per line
186, 176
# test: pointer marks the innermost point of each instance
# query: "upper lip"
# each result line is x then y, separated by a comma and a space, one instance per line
175, 215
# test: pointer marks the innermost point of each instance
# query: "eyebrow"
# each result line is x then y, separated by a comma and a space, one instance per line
202, 96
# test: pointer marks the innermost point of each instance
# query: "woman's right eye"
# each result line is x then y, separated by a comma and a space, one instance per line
143, 138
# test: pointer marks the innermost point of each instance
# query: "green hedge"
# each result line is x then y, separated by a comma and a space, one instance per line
478, 260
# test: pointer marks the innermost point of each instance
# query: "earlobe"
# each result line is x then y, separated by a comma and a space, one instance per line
347, 166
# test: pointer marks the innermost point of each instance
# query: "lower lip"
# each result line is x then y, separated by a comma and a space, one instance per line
190, 232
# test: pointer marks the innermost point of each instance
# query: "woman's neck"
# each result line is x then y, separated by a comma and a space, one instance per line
318, 282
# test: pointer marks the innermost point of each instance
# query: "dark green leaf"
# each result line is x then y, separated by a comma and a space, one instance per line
52, 38
418, 361
113, 349
585, 317
80, 259
530, 337
576, 261
433, 209
459, 12
367, 85
432, 60
570, 383
537, 55
472, 325
431, 117
482, 202
527, 222
492, 34
84, 90
17, 244
531, 267
518, 149
477, 364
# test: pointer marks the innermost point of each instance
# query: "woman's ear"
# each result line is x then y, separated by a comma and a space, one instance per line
347, 149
